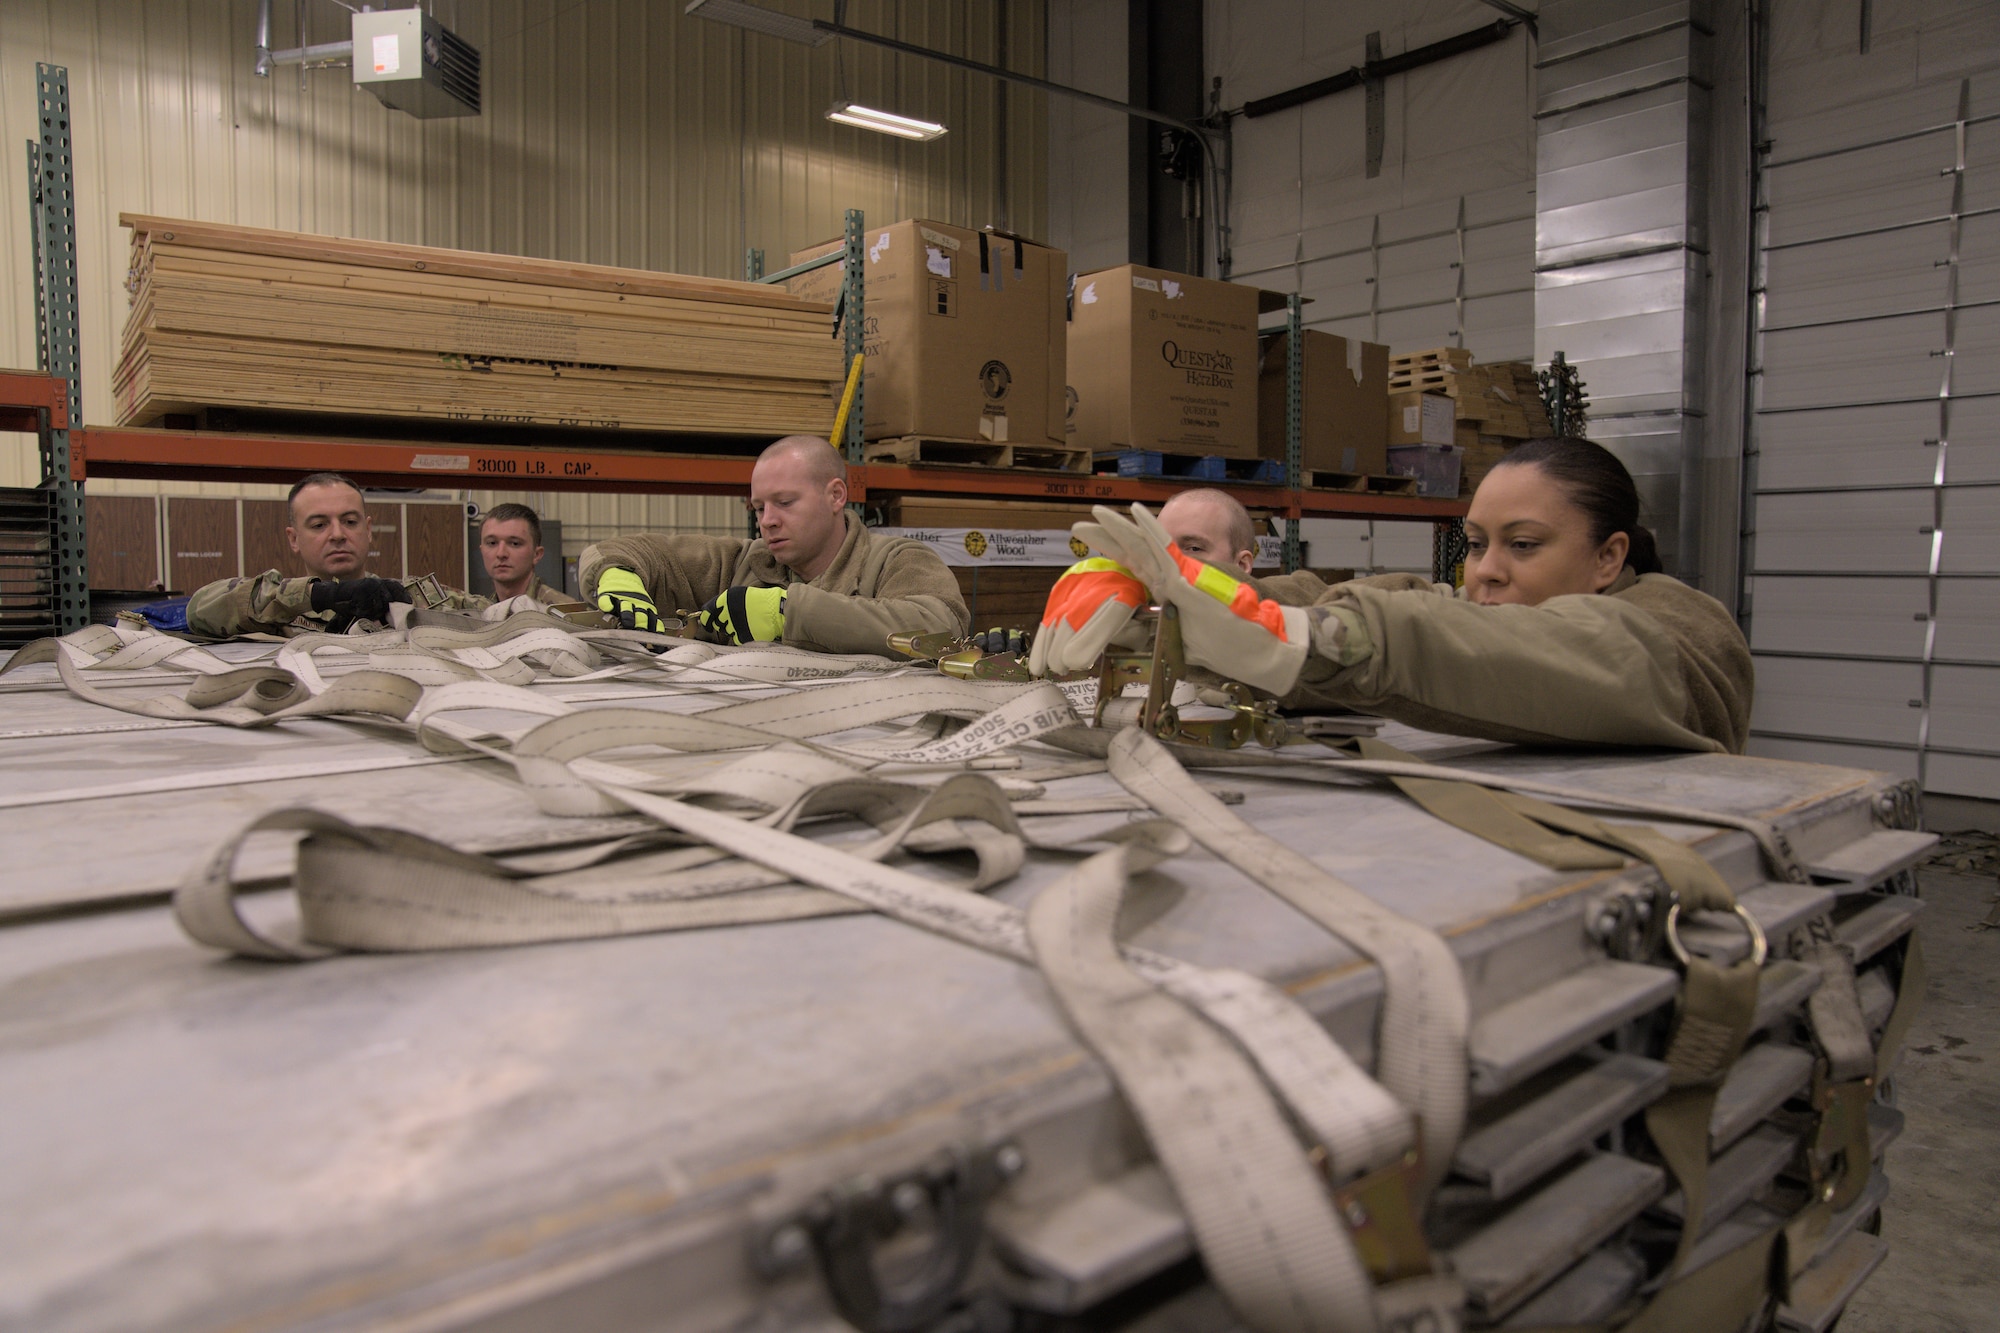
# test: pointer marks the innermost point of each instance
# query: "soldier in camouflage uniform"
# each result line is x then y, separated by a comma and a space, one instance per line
330, 532
510, 545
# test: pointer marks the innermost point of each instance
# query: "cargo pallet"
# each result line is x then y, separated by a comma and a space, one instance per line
1361, 483
1193, 467
928, 449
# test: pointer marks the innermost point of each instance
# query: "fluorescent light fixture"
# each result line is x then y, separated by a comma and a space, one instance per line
882, 122
756, 18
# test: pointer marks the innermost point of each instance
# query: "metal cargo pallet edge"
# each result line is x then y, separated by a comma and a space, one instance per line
655, 1131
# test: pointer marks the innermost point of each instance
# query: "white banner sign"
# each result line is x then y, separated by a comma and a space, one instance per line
1030, 546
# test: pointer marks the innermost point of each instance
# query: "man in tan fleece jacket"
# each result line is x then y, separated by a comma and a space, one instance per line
816, 578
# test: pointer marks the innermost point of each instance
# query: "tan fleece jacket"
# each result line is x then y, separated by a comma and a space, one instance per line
875, 587
1649, 661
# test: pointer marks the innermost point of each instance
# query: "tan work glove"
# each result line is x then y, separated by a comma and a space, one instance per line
1090, 606
1225, 625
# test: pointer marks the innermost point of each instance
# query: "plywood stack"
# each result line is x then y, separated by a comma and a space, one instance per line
1497, 405
244, 317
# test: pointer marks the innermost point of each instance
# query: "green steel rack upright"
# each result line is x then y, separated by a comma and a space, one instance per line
52, 227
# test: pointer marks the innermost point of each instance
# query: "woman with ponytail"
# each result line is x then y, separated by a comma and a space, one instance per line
1566, 631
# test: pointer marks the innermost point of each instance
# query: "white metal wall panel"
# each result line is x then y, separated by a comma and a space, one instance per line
1406, 257
1979, 258
1884, 273
1968, 620
1899, 760
1892, 444
1854, 617
1965, 708
1975, 439
1964, 775
1886, 185
1421, 272
1502, 328
1818, 698
1982, 163
1876, 379
1845, 531
1971, 527
1976, 352
1873, 360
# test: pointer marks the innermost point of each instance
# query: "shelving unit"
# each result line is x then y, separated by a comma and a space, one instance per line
75, 452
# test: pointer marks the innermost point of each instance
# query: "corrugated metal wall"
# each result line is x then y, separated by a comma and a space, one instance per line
1438, 247
1872, 514
615, 132
1621, 246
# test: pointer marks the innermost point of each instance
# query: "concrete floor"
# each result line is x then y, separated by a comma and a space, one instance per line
1942, 1220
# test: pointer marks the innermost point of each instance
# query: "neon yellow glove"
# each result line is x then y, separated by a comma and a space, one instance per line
1225, 625
745, 615
623, 594
1091, 604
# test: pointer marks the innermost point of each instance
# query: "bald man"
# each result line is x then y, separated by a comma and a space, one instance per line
816, 578
1213, 528
1092, 604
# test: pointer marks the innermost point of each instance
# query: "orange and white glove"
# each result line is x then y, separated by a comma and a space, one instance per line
1090, 606
1225, 625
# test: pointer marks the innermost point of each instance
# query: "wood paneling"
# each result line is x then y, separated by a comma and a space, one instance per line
201, 541
1006, 597
385, 553
436, 542
264, 545
123, 533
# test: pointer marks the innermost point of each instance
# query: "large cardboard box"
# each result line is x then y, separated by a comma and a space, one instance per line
965, 333
1345, 400
1161, 360
1422, 418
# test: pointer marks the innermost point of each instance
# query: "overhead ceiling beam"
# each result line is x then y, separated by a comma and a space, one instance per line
1414, 58
1526, 16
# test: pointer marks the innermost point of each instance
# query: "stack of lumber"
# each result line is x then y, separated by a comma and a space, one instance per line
243, 317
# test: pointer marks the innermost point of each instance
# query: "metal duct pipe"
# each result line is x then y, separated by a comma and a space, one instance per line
297, 55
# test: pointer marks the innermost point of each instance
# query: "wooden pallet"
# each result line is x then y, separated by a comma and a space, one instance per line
1361, 483
1191, 467
976, 453
1454, 358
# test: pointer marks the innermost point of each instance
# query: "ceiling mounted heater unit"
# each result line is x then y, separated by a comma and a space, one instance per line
414, 63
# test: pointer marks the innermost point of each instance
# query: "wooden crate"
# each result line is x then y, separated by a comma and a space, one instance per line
978, 453
1361, 483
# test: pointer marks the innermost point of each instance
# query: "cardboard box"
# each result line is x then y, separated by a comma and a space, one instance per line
1161, 360
1435, 466
966, 334
1345, 400
1421, 418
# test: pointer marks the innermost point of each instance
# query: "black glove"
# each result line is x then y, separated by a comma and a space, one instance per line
998, 640
358, 599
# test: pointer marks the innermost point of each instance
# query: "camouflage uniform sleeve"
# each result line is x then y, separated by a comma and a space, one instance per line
265, 604
457, 599
547, 595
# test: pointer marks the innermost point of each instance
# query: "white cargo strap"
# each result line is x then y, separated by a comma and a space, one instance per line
1264, 1222
1421, 1037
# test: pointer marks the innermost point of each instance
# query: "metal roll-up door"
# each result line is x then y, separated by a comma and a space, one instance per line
1872, 529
